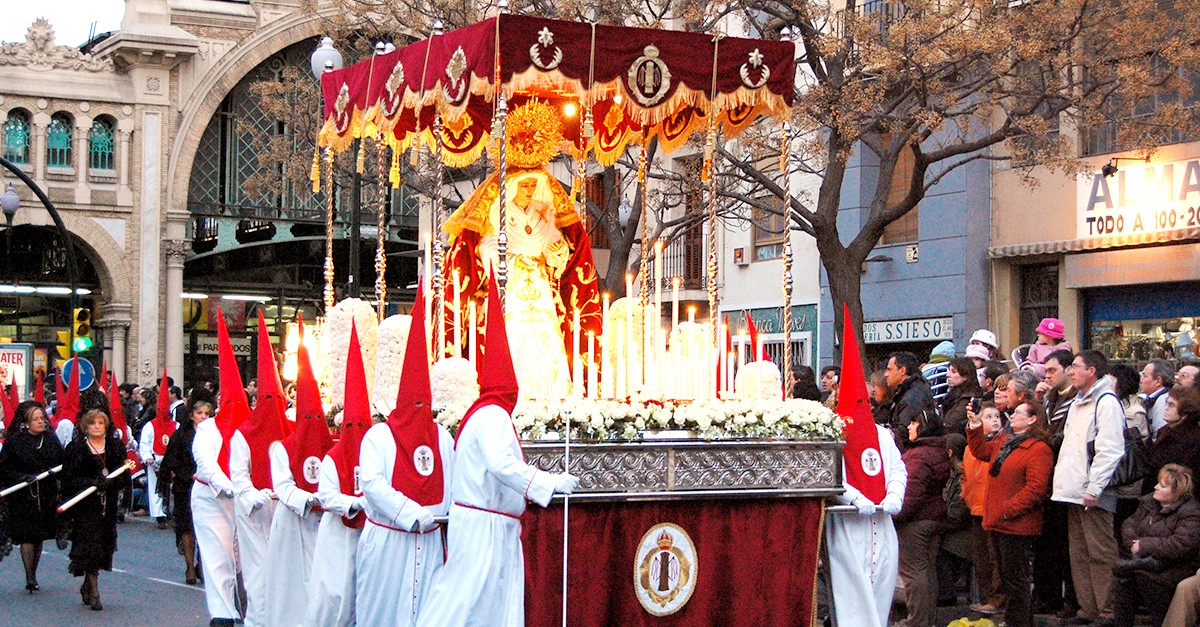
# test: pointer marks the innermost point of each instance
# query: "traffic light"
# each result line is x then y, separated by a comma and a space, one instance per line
64, 346
81, 330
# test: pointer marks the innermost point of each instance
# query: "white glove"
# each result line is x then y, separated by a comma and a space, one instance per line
565, 483
258, 499
227, 493
424, 521
311, 503
864, 505
892, 504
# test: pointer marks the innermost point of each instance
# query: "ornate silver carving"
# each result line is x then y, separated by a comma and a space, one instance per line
682, 468
38, 52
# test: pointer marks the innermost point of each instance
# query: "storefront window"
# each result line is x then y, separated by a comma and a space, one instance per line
1141, 340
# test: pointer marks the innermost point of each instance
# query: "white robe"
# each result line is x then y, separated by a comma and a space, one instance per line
212, 518
331, 589
396, 569
253, 530
151, 462
483, 582
864, 553
290, 548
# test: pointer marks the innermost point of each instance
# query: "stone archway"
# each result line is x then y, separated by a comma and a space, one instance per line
217, 84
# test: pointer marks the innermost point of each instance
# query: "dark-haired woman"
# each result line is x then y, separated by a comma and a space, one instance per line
804, 384
1021, 464
964, 385
922, 520
29, 450
90, 457
1179, 441
178, 470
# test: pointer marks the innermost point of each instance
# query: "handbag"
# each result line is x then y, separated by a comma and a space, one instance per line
1134, 464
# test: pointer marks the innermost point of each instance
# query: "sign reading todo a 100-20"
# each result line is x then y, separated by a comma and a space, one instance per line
1139, 199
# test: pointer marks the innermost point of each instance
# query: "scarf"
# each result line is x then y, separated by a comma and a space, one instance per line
1006, 449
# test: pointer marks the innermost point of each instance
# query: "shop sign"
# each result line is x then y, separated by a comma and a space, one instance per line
914, 330
770, 319
16, 363
207, 345
1139, 199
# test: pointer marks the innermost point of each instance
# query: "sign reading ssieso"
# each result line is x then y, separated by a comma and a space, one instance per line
914, 330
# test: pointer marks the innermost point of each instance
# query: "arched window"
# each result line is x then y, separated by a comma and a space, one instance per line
100, 144
16, 136
58, 141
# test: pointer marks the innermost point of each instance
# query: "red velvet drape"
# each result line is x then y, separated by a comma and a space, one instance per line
757, 561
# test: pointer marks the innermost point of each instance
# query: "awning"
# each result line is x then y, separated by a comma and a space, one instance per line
1098, 243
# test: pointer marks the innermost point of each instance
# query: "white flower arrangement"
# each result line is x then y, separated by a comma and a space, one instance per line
454, 387
710, 419
389, 361
759, 379
337, 329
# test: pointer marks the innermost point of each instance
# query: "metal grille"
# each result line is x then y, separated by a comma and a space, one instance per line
1039, 297
16, 137
100, 145
227, 155
58, 141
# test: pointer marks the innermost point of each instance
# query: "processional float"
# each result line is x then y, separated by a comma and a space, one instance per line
695, 478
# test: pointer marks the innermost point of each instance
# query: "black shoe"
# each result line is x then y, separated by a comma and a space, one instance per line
162, 522
32, 587
62, 537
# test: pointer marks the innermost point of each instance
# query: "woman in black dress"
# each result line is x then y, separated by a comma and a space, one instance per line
30, 450
178, 470
92, 454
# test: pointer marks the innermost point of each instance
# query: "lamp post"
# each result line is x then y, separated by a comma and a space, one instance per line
324, 59
10, 201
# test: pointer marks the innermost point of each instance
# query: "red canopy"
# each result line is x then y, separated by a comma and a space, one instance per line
638, 82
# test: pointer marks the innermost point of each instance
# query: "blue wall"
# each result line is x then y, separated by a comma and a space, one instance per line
950, 277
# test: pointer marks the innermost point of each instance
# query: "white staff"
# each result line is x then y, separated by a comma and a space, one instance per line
10, 490
566, 509
89, 490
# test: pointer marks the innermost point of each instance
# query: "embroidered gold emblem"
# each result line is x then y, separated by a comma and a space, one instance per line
649, 78
755, 61
664, 569
545, 41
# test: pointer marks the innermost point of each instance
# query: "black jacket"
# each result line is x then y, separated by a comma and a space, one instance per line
911, 398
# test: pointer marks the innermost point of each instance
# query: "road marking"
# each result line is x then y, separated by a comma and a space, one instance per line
174, 583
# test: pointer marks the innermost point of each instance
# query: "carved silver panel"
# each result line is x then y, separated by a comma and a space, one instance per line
695, 468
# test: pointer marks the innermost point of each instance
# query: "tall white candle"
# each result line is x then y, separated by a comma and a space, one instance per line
630, 347
473, 336
576, 364
592, 375
606, 373
457, 314
674, 303
743, 339
692, 314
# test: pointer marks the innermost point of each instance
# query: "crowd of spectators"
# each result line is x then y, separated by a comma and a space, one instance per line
1033, 500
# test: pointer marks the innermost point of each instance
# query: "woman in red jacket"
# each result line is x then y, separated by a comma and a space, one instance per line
1020, 468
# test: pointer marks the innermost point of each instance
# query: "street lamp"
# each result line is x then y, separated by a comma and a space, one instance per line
325, 58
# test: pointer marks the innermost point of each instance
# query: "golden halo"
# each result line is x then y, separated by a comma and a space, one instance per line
533, 132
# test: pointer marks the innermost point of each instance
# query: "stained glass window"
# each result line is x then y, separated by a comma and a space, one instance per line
100, 145
58, 141
16, 136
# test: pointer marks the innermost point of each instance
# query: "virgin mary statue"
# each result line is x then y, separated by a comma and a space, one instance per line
551, 273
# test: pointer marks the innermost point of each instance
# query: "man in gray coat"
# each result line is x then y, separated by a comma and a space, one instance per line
1081, 477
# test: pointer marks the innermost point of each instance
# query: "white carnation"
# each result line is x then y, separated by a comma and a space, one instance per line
338, 333
389, 361
454, 383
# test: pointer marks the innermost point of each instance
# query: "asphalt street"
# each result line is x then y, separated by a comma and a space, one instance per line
145, 587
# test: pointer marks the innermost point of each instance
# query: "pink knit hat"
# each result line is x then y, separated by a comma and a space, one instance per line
1052, 327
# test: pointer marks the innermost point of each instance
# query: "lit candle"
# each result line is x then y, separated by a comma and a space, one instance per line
457, 314
577, 367
692, 314
592, 375
727, 384
674, 303
605, 373
473, 337
630, 347
743, 339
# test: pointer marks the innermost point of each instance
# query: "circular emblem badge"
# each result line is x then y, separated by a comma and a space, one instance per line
423, 460
312, 469
166, 439
872, 464
664, 569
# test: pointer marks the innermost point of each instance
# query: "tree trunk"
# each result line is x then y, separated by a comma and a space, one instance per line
845, 285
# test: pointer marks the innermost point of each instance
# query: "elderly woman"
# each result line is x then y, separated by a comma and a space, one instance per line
30, 450
922, 520
1179, 441
1163, 535
1021, 464
964, 386
90, 457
